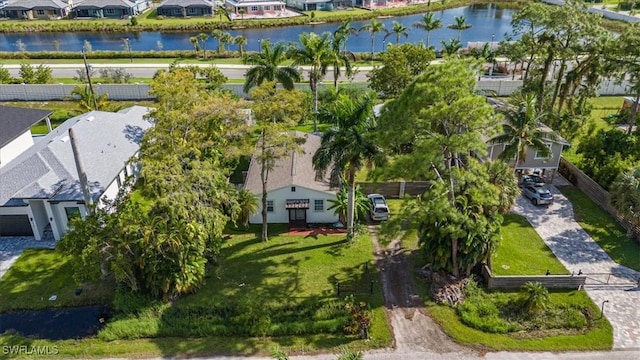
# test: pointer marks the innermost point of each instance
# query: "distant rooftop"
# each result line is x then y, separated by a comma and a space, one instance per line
14, 121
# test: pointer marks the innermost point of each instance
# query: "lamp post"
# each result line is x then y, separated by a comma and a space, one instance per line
127, 46
260, 45
87, 68
602, 308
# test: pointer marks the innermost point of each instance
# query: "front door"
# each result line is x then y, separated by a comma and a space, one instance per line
298, 217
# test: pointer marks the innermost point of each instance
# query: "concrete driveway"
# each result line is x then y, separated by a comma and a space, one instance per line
609, 284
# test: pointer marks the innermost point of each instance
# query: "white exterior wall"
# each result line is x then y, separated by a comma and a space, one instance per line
15, 148
60, 216
40, 218
281, 215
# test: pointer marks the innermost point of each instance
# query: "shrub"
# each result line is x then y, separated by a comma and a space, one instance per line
534, 298
482, 314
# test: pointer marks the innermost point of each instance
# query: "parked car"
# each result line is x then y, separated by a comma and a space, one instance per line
538, 195
531, 180
378, 209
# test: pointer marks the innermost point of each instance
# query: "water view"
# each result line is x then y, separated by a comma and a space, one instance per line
489, 23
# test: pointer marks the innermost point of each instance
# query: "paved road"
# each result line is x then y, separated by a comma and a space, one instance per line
148, 70
577, 251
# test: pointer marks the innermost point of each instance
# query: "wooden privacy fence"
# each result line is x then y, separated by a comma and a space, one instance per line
395, 189
596, 193
512, 282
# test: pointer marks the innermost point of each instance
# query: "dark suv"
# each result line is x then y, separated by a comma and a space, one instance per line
531, 180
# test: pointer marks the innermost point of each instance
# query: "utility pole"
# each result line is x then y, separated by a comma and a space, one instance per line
127, 45
82, 176
86, 68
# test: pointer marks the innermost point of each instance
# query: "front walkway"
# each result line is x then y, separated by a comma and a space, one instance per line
577, 251
12, 246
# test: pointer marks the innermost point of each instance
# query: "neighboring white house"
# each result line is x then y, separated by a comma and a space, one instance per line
40, 189
15, 130
295, 194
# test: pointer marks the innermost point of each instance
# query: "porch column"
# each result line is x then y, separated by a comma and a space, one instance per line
55, 228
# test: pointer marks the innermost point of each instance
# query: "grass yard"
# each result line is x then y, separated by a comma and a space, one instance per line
285, 271
599, 337
603, 228
37, 275
522, 251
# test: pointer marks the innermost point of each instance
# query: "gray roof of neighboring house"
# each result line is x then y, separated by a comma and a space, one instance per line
186, 3
31, 4
47, 169
294, 170
101, 4
14, 121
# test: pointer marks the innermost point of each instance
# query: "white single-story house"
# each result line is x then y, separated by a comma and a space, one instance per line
296, 194
16, 124
40, 188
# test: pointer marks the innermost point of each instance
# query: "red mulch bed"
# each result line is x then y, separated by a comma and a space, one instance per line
315, 231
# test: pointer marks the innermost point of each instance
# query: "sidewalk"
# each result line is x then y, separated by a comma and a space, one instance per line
577, 251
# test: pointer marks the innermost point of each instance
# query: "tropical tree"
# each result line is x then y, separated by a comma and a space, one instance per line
522, 130
194, 41
348, 146
202, 37
241, 41
85, 99
460, 25
317, 52
436, 129
218, 35
343, 32
340, 205
275, 111
400, 65
534, 298
341, 58
451, 47
248, 203
225, 39
428, 23
624, 196
397, 30
220, 11
373, 28
266, 67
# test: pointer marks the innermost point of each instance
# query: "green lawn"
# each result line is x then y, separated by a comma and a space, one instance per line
37, 275
522, 251
286, 269
603, 229
598, 338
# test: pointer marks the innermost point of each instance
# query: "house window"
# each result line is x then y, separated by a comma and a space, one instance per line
72, 212
318, 205
293, 189
539, 154
40, 12
254, 8
110, 11
276, 7
267, 7
193, 10
177, 11
269, 205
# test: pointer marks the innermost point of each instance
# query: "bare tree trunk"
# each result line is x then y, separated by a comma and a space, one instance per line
634, 113
351, 204
314, 89
264, 177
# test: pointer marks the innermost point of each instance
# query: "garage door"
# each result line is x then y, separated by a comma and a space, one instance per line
15, 225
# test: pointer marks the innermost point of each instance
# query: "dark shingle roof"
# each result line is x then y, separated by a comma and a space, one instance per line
14, 121
186, 3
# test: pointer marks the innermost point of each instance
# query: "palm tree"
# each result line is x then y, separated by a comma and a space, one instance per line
85, 99
373, 28
225, 39
521, 130
266, 67
398, 29
534, 297
340, 205
341, 57
202, 37
451, 47
428, 23
461, 24
241, 41
194, 41
316, 51
218, 35
343, 31
485, 52
248, 203
220, 11
624, 196
347, 146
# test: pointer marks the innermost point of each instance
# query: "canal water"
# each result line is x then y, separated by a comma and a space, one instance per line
489, 22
